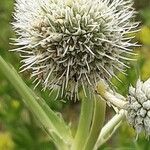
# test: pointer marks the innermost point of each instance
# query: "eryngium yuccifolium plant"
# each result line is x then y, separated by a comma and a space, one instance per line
138, 109
73, 43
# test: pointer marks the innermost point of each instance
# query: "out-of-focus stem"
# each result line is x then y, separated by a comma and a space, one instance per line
84, 121
97, 122
110, 128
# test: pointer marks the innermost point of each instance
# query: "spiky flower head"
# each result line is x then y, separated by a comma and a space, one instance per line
138, 109
73, 43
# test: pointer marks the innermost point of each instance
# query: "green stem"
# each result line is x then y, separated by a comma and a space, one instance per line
50, 121
84, 121
97, 123
108, 130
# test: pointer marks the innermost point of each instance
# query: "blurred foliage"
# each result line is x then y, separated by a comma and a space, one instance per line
6, 142
19, 130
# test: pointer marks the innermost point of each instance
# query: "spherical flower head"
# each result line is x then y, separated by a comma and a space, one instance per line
138, 109
73, 43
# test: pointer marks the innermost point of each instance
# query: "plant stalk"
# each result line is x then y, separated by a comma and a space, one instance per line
50, 121
83, 129
97, 123
108, 130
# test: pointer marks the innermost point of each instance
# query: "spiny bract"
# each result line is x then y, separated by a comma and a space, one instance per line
73, 43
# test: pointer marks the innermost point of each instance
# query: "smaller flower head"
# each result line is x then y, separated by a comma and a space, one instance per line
138, 108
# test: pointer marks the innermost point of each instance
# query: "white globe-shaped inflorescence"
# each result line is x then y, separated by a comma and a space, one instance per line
138, 108
73, 43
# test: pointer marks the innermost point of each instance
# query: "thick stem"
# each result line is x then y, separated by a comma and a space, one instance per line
114, 100
97, 123
110, 128
84, 121
50, 121
109, 97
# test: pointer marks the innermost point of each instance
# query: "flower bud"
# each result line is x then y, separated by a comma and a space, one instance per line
138, 108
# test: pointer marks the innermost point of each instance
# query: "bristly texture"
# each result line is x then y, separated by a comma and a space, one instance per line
73, 43
138, 109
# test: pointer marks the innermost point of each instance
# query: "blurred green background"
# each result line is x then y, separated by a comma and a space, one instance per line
19, 130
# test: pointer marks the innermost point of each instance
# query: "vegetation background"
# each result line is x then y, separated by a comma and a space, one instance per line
19, 129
